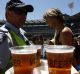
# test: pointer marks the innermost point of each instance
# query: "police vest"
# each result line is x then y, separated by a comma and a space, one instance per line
17, 41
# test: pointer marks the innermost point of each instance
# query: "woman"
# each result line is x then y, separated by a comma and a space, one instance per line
63, 35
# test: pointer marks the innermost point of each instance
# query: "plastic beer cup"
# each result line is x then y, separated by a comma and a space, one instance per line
59, 58
24, 59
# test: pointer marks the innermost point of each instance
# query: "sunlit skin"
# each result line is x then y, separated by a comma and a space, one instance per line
66, 35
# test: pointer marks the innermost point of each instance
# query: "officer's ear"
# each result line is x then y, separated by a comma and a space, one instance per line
9, 12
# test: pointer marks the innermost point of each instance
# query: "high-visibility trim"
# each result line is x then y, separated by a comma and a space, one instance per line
16, 39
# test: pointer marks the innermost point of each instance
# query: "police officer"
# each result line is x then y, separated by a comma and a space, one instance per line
16, 13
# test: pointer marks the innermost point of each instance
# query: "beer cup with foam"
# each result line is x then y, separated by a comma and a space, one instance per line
59, 58
24, 59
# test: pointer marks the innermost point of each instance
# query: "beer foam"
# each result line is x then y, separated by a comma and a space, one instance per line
59, 51
25, 51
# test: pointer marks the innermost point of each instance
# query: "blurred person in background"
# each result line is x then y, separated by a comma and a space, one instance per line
38, 40
79, 40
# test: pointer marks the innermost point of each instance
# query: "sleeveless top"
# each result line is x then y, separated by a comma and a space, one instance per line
57, 41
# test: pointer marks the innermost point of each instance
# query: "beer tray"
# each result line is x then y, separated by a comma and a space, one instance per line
43, 69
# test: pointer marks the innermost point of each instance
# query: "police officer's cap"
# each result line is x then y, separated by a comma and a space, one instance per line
13, 4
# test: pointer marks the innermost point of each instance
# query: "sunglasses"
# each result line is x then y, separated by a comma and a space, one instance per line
20, 11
